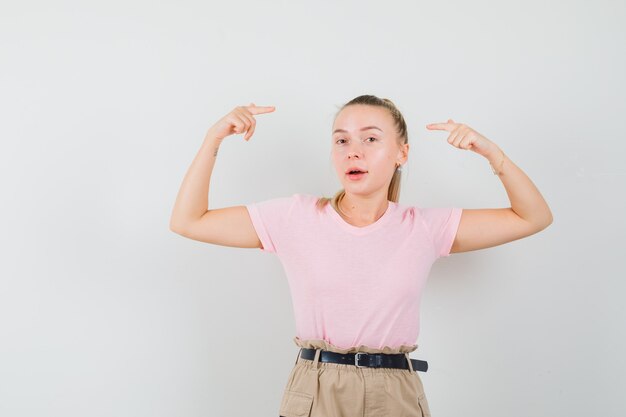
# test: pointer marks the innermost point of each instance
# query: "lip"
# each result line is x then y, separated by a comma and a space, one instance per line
355, 169
356, 177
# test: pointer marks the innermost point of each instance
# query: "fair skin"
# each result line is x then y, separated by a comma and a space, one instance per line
366, 200
483, 228
365, 137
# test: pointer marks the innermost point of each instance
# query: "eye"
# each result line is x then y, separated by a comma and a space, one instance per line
341, 143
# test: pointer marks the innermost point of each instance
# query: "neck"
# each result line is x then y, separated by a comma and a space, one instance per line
362, 210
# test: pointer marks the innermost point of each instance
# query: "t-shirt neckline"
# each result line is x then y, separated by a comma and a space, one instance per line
360, 230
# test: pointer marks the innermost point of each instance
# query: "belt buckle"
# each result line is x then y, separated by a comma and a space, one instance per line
356, 359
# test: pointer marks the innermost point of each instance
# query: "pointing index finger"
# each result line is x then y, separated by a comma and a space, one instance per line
441, 126
260, 109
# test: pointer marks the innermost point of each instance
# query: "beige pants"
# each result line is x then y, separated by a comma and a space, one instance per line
325, 389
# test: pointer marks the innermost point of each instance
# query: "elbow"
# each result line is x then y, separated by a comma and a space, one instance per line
546, 222
549, 218
537, 225
176, 227
543, 219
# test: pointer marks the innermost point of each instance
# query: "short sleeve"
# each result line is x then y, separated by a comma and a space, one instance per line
442, 223
270, 220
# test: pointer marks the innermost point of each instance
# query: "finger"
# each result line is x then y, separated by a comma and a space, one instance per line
441, 126
458, 138
246, 115
260, 109
239, 123
250, 132
247, 121
252, 121
466, 142
250, 125
245, 110
456, 135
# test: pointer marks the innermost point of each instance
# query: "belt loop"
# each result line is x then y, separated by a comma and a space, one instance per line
406, 355
298, 357
318, 352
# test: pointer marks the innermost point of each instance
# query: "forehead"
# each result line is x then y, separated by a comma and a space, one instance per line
355, 117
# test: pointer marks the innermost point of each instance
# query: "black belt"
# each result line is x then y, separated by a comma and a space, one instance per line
370, 360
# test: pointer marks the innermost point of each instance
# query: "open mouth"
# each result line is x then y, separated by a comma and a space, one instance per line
356, 174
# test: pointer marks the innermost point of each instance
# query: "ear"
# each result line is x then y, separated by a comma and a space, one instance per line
403, 153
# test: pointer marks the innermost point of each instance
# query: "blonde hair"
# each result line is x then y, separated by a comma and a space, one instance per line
393, 192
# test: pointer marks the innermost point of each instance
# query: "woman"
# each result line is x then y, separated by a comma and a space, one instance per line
357, 263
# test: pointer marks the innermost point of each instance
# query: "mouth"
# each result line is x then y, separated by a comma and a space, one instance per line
356, 174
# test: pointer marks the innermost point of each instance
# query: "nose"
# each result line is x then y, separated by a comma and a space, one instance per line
354, 151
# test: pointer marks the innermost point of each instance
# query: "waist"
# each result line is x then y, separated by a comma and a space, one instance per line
368, 360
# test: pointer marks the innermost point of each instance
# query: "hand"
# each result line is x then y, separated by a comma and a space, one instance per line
239, 120
464, 137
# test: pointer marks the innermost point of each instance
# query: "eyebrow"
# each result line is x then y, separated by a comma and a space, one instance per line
362, 129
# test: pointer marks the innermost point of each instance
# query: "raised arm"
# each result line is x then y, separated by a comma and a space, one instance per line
191, 216
483, 228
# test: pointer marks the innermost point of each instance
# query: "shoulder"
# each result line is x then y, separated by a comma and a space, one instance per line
305, 199
428, 217
407, 210
295, 202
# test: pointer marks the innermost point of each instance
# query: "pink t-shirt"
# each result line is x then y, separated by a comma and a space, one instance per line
352, 285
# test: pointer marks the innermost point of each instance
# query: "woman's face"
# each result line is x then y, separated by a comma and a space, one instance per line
365, 137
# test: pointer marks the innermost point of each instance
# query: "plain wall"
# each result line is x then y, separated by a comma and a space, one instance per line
106, 312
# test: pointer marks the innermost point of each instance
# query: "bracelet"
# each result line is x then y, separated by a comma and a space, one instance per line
501, 162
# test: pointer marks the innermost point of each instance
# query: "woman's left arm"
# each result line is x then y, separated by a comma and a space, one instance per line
483, 228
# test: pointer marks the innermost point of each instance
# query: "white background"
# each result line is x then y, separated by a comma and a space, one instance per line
106, 312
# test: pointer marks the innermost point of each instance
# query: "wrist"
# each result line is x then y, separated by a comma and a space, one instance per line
494, 155
212, 138
496, 160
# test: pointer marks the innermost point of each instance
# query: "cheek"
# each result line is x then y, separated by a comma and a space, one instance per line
337, 165
381, 158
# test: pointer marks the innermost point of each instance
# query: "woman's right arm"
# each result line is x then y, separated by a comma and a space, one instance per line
191, 217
